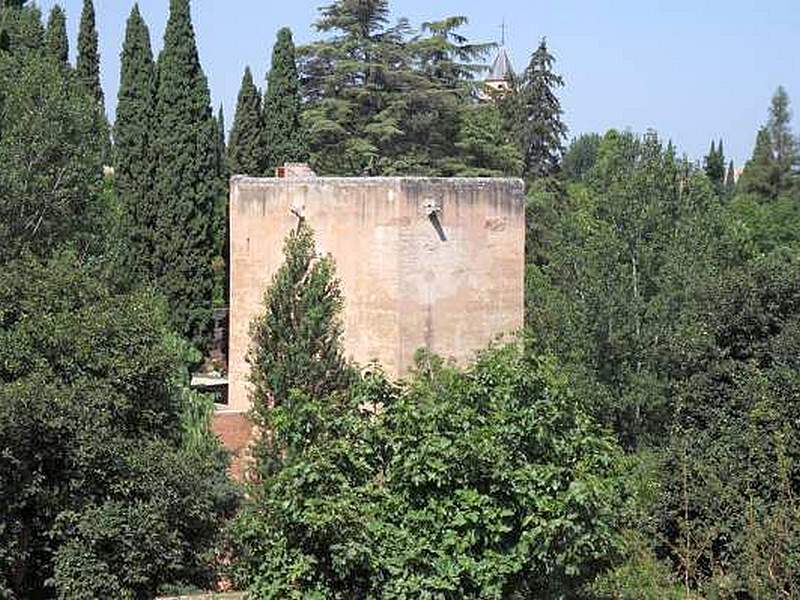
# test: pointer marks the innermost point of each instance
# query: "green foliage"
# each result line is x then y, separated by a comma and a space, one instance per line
88, 63
379, 101
714, 166
21, 27
134, 154
620, 270
188, 181
220, 219
785, 145
296, 342
486, 146
536, 112
482, 483
730, 181
642, 576
246, 149
51, 160
447, 56
767, 227
761, 175
580, 157
56, 40
98, 494
772, 169
730, 488
285, 138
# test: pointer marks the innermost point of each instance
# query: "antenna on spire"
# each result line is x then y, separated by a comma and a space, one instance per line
503, 32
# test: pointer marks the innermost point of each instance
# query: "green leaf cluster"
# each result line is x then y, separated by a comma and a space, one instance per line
478, 483
51, 160
99, 495
381, 99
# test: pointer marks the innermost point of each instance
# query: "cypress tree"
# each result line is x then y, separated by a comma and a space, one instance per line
133, 138
21, 27
536, 114
246, 148
88, 64
715, 166
56, 40
297, 340
284, 135
221, 149
730, 181
221, 237
187, 178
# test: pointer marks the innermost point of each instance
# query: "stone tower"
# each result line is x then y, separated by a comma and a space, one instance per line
424, 263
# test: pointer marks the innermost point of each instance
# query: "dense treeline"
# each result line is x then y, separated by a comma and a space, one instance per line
638, 440
110, 484
673, 295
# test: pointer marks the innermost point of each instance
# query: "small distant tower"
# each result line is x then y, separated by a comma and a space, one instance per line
502, 73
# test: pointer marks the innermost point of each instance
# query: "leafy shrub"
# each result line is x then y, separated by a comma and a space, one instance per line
99, 495
460, 484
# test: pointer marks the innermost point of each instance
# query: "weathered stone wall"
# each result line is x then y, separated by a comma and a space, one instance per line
450, 284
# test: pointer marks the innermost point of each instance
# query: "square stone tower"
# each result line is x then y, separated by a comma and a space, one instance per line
424, 263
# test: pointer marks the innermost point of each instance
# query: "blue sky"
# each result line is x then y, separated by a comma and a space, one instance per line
691, 69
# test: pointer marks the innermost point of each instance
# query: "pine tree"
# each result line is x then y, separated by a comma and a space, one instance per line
361, 114
714, 165
284, 135
134, 131
447, 56
187, 178
246, 152
784, 143
762, 174
297, 341
56, 39
88, 64
536, 113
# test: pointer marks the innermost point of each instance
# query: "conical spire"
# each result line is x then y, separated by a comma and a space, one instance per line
501, 67
501, 70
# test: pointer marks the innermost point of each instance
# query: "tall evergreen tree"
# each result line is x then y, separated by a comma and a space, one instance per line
221, 146
134, 130
379, 101
246, 152
50, 159
21, 26
714, 165
187, 178
56, 35
762, 174
730, 181
88, 64
221, 237
784, 144
284, 135
447, 56
536, 112
297, 341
